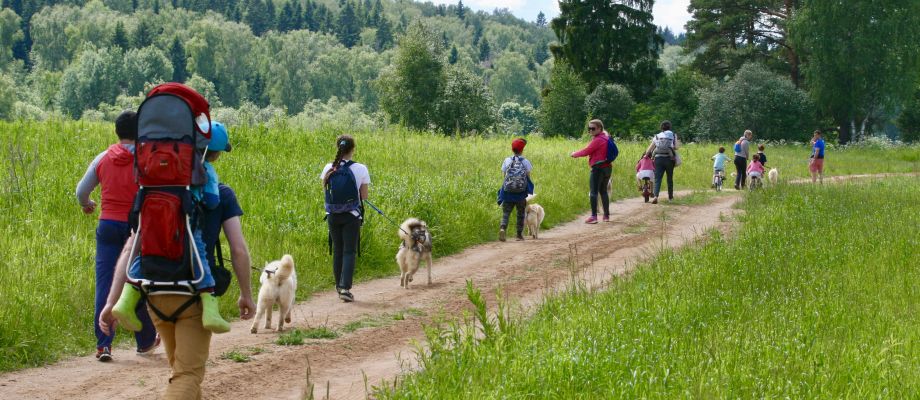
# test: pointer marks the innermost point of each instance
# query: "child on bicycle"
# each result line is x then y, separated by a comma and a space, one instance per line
755, 168
718, 166
645, 168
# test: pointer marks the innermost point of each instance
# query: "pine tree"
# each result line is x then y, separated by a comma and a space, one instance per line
541, 19
454, 55
297, 18
444, 41
485, 51
477, 32
120, 37
384, 37
461, 10
285, 19
541, 52
309, 18
133, 5
377, 15
349, 31
144, 33
271, 15
156, 7
177, 57
257, 17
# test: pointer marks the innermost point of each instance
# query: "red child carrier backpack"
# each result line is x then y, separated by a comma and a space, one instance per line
172, 123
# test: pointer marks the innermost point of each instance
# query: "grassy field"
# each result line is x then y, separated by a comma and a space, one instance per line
47, 274
816, 298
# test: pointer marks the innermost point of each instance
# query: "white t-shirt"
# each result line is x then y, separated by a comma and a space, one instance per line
362, 177
507, 163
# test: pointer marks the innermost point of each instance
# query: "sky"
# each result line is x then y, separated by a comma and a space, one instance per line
671, 13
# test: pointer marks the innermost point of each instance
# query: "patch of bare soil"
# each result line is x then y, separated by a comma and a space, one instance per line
379, 330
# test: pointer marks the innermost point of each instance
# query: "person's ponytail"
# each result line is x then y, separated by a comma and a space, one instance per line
344, 145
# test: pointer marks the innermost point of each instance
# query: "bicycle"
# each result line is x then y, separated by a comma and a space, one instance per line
646, 189
756, 183
717, 179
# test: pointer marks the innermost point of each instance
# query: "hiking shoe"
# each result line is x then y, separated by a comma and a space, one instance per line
520, 237
591, 220
501, 235
124, 309
655, 200
346, 296
104, 354
606, 218
149, 349
210, 314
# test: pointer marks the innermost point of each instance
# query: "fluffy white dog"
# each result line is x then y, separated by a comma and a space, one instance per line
279, 284
416, 246
533, 216
773, 175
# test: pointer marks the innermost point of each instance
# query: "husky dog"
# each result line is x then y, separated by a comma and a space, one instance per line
773, 175
533, 216
416, 246
279, 284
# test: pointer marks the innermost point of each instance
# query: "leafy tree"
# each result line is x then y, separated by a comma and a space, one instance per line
610, 103
50, 48
485, 51
177, 58
383, 38
676, 98
409, 90
94, 78
8, 93
223, 53
142, 66
541, 20
610, 41
10, 33
465, 104
512, 81
120, 37
348, 28
206, 88
863, 59
909, 120
562, 112
516, 119
756, 99
729, 34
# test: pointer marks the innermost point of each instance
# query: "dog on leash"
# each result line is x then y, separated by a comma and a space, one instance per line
279, 284
773, 175
415, 247
533, 216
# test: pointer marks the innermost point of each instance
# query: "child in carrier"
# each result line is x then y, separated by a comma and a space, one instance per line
645, 169
755, 168
718, 165
207, 196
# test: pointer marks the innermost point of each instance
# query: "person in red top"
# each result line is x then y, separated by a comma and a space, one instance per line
113, 169
600, 170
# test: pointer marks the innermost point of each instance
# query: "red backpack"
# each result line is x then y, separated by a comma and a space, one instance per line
172, 123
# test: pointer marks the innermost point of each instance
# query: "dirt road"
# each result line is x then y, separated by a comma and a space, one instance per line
379, 329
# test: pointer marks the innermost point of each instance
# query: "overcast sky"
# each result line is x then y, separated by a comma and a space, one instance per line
671, 13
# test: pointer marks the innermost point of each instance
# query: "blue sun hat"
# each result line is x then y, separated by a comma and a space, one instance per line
220, 139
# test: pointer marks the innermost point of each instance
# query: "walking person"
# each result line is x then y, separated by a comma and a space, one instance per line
515, 188
186, 340
816, 160
113, 169
346, 187
742, 153
596, 151
664, 148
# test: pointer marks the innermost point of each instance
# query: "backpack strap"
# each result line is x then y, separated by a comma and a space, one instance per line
175, 315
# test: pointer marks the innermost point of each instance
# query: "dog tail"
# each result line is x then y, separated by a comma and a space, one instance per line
286, 269
530, 197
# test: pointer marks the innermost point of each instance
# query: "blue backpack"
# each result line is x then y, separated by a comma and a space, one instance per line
738, 146
342, 191
612, 152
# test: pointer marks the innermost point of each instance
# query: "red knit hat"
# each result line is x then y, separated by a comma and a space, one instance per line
517, 145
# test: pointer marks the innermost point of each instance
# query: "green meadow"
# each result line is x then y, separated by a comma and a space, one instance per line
47, 243
816, 297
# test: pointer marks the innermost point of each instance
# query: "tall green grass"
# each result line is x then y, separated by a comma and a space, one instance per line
47, 244
816, 298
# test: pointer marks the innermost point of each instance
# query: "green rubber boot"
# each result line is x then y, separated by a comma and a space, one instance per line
210, 315
124, 308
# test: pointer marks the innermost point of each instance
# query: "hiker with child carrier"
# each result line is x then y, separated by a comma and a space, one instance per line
664, 149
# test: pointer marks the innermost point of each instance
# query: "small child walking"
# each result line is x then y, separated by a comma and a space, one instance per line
513, 193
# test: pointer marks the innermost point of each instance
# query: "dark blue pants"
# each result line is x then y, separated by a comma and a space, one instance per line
344, 231
664, 166
741, 167
598, 182
110, 239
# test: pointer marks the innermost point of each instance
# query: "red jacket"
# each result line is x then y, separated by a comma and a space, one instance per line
596, 150
116, 176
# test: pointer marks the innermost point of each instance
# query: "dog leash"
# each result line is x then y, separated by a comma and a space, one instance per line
385, 216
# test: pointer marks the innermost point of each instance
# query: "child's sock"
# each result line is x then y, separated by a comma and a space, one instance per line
210, 315
124, 309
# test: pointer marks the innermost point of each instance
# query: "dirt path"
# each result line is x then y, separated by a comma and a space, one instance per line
392, 317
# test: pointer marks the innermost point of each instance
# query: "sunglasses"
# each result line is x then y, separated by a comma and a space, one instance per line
592, 128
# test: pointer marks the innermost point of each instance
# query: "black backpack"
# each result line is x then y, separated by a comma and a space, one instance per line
342, 194
515, 177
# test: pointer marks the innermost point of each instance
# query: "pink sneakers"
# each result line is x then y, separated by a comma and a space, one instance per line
591, 220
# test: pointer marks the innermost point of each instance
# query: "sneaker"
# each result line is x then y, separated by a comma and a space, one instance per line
655, 200
346, 296
606, 218
501, 235
104, 354
591, 220
149, 349
520, 237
